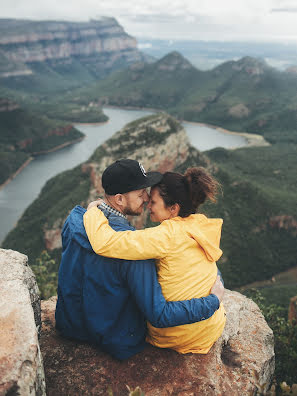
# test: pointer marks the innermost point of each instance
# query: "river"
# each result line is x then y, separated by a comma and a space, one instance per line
16, 196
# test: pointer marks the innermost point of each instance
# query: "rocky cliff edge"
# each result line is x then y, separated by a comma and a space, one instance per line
240, 363
21, 368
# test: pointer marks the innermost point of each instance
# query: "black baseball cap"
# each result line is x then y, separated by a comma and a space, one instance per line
127, 175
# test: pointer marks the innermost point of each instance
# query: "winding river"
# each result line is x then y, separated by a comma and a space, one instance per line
16, 196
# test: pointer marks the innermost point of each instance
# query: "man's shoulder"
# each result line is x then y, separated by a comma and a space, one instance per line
118, 223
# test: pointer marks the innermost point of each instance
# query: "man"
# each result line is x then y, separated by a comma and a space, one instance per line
107, 301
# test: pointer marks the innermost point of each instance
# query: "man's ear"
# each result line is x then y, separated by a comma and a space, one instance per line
120, 200
174, 210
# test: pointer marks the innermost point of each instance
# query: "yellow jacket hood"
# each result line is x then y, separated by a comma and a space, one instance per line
207, 234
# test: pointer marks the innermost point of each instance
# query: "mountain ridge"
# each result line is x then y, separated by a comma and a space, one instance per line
75, 53
245, 95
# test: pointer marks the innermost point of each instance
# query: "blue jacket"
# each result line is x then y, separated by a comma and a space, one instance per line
107, 301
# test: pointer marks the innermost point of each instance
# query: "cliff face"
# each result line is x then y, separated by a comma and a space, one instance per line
21, 368
25, 42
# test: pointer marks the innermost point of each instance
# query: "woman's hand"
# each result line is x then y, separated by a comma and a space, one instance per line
95, 203
218, 288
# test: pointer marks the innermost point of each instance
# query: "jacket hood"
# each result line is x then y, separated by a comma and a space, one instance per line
207, 233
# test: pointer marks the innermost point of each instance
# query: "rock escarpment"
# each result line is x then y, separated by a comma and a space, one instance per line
240, 363
21, 368
24, 42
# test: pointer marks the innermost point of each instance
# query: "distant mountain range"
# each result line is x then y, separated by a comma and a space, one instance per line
206, 55
245, 95
52, 56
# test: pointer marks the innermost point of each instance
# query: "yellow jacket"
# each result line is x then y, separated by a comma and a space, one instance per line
186, 250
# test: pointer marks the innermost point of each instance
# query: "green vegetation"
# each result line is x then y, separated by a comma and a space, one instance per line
46, 272
49, 78
10, 162
24, 133
285, 339
258, 206
71, 112
59, 195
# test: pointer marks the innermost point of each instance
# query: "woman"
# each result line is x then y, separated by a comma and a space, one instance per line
186, 246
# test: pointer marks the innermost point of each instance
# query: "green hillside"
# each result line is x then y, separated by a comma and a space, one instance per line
24, 133
259, 211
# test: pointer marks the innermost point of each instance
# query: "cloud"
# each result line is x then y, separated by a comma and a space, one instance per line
289, 10
172, 19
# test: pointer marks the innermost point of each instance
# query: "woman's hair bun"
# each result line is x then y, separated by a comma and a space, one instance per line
201, 185
189, 190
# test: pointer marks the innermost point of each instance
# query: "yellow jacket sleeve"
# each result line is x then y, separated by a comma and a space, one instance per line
129, 245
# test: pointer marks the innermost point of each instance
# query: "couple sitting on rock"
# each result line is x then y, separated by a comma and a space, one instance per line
111, 291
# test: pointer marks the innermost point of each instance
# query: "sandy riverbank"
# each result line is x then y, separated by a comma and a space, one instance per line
27, 162
252, 138
59, 147
91, 123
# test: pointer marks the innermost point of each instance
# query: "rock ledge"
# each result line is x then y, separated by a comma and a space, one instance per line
241, 360
21, 368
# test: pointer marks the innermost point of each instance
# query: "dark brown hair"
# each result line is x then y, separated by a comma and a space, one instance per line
189, 190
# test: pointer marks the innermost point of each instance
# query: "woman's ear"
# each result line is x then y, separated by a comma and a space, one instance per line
174, 210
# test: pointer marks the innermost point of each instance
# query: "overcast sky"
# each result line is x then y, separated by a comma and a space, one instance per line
261, 20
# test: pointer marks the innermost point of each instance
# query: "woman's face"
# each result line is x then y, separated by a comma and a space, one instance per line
157, 208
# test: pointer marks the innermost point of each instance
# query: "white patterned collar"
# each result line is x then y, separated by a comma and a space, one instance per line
109, 209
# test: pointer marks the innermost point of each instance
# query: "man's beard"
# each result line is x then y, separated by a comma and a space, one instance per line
130, 212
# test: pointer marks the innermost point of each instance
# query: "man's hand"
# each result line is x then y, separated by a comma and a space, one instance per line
218, 288
95, 203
